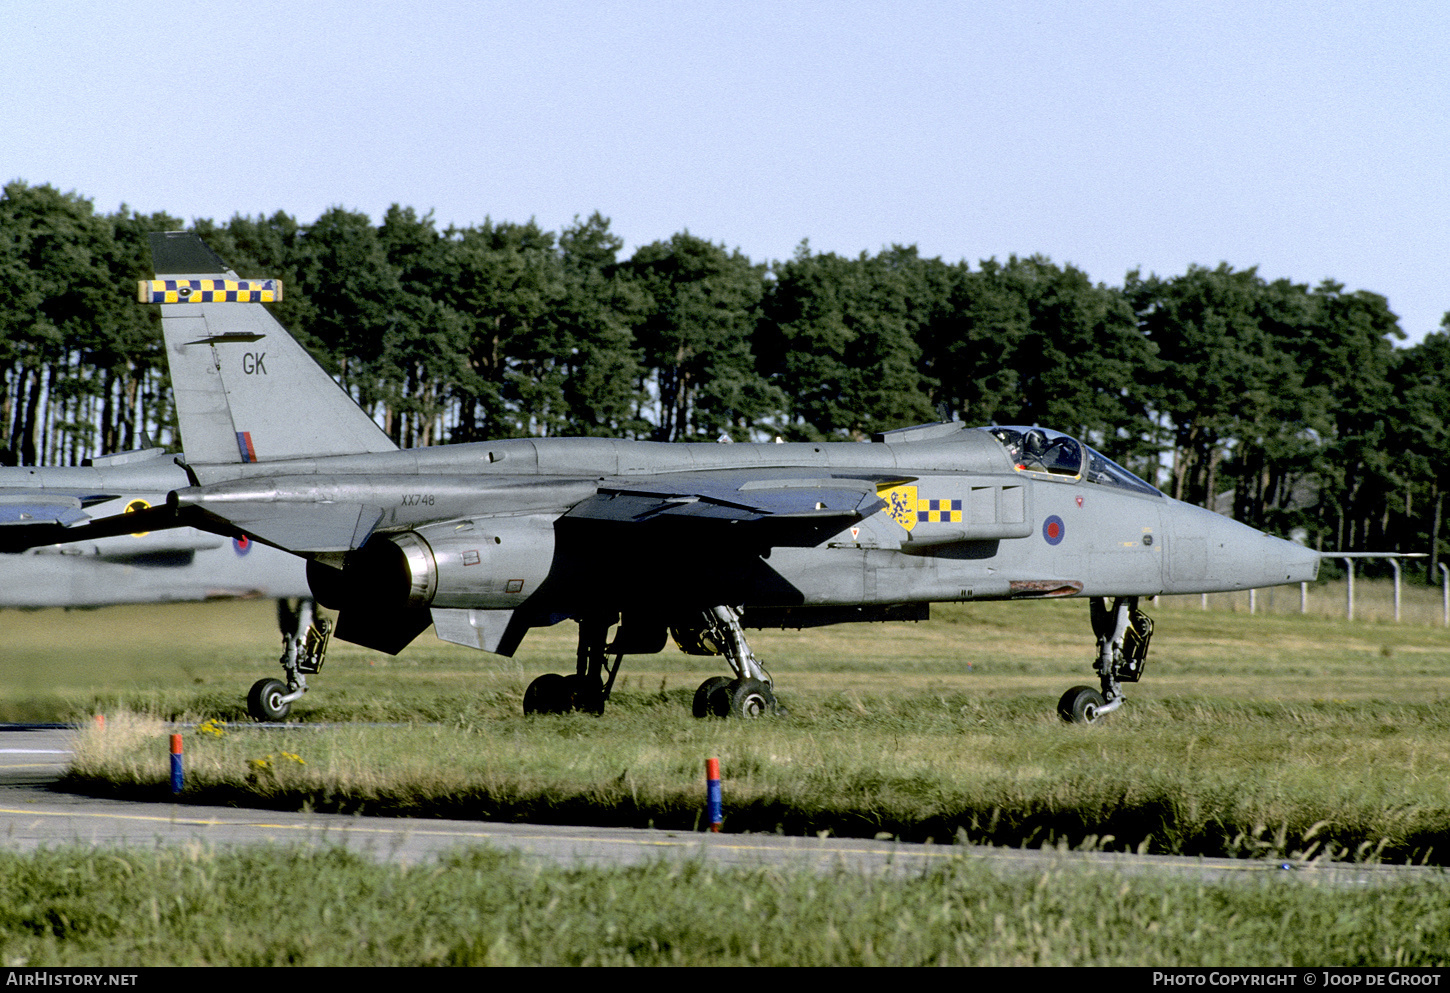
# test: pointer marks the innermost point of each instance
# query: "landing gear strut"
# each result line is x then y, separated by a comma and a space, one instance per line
1123, 632
749, 694
588, 688
304, 644
752, 692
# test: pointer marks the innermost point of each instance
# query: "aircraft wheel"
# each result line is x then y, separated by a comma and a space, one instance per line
584, 694
1079, 705
264, 702
712, 699
751, 698
549, 694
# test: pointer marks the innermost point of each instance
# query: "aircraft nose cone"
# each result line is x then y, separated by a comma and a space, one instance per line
1301, 565
1281, 561
1209, 552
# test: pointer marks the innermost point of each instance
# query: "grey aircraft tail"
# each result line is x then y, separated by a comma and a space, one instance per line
245, 390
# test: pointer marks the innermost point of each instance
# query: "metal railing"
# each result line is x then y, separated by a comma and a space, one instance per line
1348, 599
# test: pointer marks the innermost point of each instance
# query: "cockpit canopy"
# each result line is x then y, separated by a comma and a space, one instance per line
1056, 454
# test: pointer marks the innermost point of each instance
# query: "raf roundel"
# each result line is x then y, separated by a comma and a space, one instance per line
242, 544
1053, 530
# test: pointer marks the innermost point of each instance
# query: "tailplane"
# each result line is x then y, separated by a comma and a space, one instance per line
245, 390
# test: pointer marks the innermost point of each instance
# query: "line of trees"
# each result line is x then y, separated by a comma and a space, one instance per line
1289, 406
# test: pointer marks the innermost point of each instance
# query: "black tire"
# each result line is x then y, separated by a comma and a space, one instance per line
1080, 705
583, 694
712, 699
751, 698
264, 702
549, 694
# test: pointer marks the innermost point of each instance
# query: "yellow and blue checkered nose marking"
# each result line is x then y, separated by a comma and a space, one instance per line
908, 509
939, 511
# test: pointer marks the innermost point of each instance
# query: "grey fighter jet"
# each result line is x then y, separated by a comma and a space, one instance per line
703, 541
142, 566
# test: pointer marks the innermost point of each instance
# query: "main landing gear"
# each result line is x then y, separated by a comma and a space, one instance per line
749, 694
588, 688
304, 644
752, 692
1123, 632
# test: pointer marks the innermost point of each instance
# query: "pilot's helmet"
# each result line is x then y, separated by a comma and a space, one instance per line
1035, 442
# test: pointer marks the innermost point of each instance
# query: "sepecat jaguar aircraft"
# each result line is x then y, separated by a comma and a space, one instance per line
37, 503
700, 541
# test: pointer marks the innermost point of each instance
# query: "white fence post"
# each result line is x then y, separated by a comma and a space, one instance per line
1349, 594
1395, 565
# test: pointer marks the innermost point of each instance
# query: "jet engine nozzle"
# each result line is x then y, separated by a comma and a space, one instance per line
493, 563
421, 567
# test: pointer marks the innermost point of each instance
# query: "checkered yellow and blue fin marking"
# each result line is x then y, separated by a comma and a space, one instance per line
245, 390
209, 290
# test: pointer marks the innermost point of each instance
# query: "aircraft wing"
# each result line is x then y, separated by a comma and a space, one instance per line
30, 518
789, 510
296, 527
64, 526
43, 505
29, 508
303, 527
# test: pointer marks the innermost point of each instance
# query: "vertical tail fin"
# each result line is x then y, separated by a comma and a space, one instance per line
245, 390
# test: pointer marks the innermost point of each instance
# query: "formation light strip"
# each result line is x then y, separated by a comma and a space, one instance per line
209, 290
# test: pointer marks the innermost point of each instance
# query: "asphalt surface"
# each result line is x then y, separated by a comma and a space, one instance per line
35, 815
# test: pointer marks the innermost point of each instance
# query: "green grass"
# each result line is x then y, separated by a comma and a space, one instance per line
479, 907
1339, 779
1271, 734
200, 658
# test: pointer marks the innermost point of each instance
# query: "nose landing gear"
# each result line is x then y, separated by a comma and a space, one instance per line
1123, 632
304, 645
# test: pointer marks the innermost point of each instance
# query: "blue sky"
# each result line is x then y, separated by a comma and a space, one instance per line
1309, 139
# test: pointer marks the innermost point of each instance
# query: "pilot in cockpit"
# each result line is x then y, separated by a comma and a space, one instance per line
1037, 450
1032, 450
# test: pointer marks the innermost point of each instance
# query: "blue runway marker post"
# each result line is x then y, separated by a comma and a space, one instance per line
712, 793
176, 763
